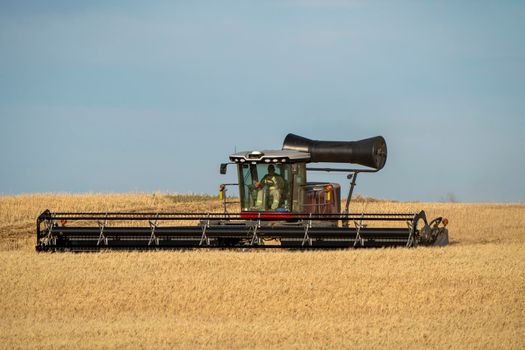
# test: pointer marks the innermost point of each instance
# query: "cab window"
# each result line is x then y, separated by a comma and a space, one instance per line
265, 187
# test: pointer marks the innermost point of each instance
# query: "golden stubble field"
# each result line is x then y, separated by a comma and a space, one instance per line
470, 294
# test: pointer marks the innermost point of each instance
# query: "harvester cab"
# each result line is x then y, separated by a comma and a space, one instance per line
279, 207
273, 183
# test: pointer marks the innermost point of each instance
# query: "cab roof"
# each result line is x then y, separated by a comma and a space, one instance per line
270, 156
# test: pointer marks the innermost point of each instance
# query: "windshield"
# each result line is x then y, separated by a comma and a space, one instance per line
268, 187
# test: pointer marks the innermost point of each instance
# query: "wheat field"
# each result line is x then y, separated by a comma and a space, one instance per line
468, 295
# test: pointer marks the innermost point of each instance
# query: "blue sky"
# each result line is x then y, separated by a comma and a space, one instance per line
117, 96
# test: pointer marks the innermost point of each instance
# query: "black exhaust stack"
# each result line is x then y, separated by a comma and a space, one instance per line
368, 152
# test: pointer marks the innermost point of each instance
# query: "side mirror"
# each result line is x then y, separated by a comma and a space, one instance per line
223, 168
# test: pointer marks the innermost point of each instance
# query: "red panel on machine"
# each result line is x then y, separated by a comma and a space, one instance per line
278, 215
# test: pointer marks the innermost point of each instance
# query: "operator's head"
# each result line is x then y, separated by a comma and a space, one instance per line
271, 169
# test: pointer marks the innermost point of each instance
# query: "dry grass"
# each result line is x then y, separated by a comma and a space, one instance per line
18, 213
468, 295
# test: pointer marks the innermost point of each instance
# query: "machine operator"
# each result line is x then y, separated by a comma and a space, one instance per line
275, 185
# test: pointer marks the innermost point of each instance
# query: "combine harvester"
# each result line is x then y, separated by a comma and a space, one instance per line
278, 208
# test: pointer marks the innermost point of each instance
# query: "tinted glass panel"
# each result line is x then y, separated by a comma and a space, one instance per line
265, 187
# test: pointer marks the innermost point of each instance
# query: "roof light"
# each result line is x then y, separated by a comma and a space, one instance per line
267, 160
255, 155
